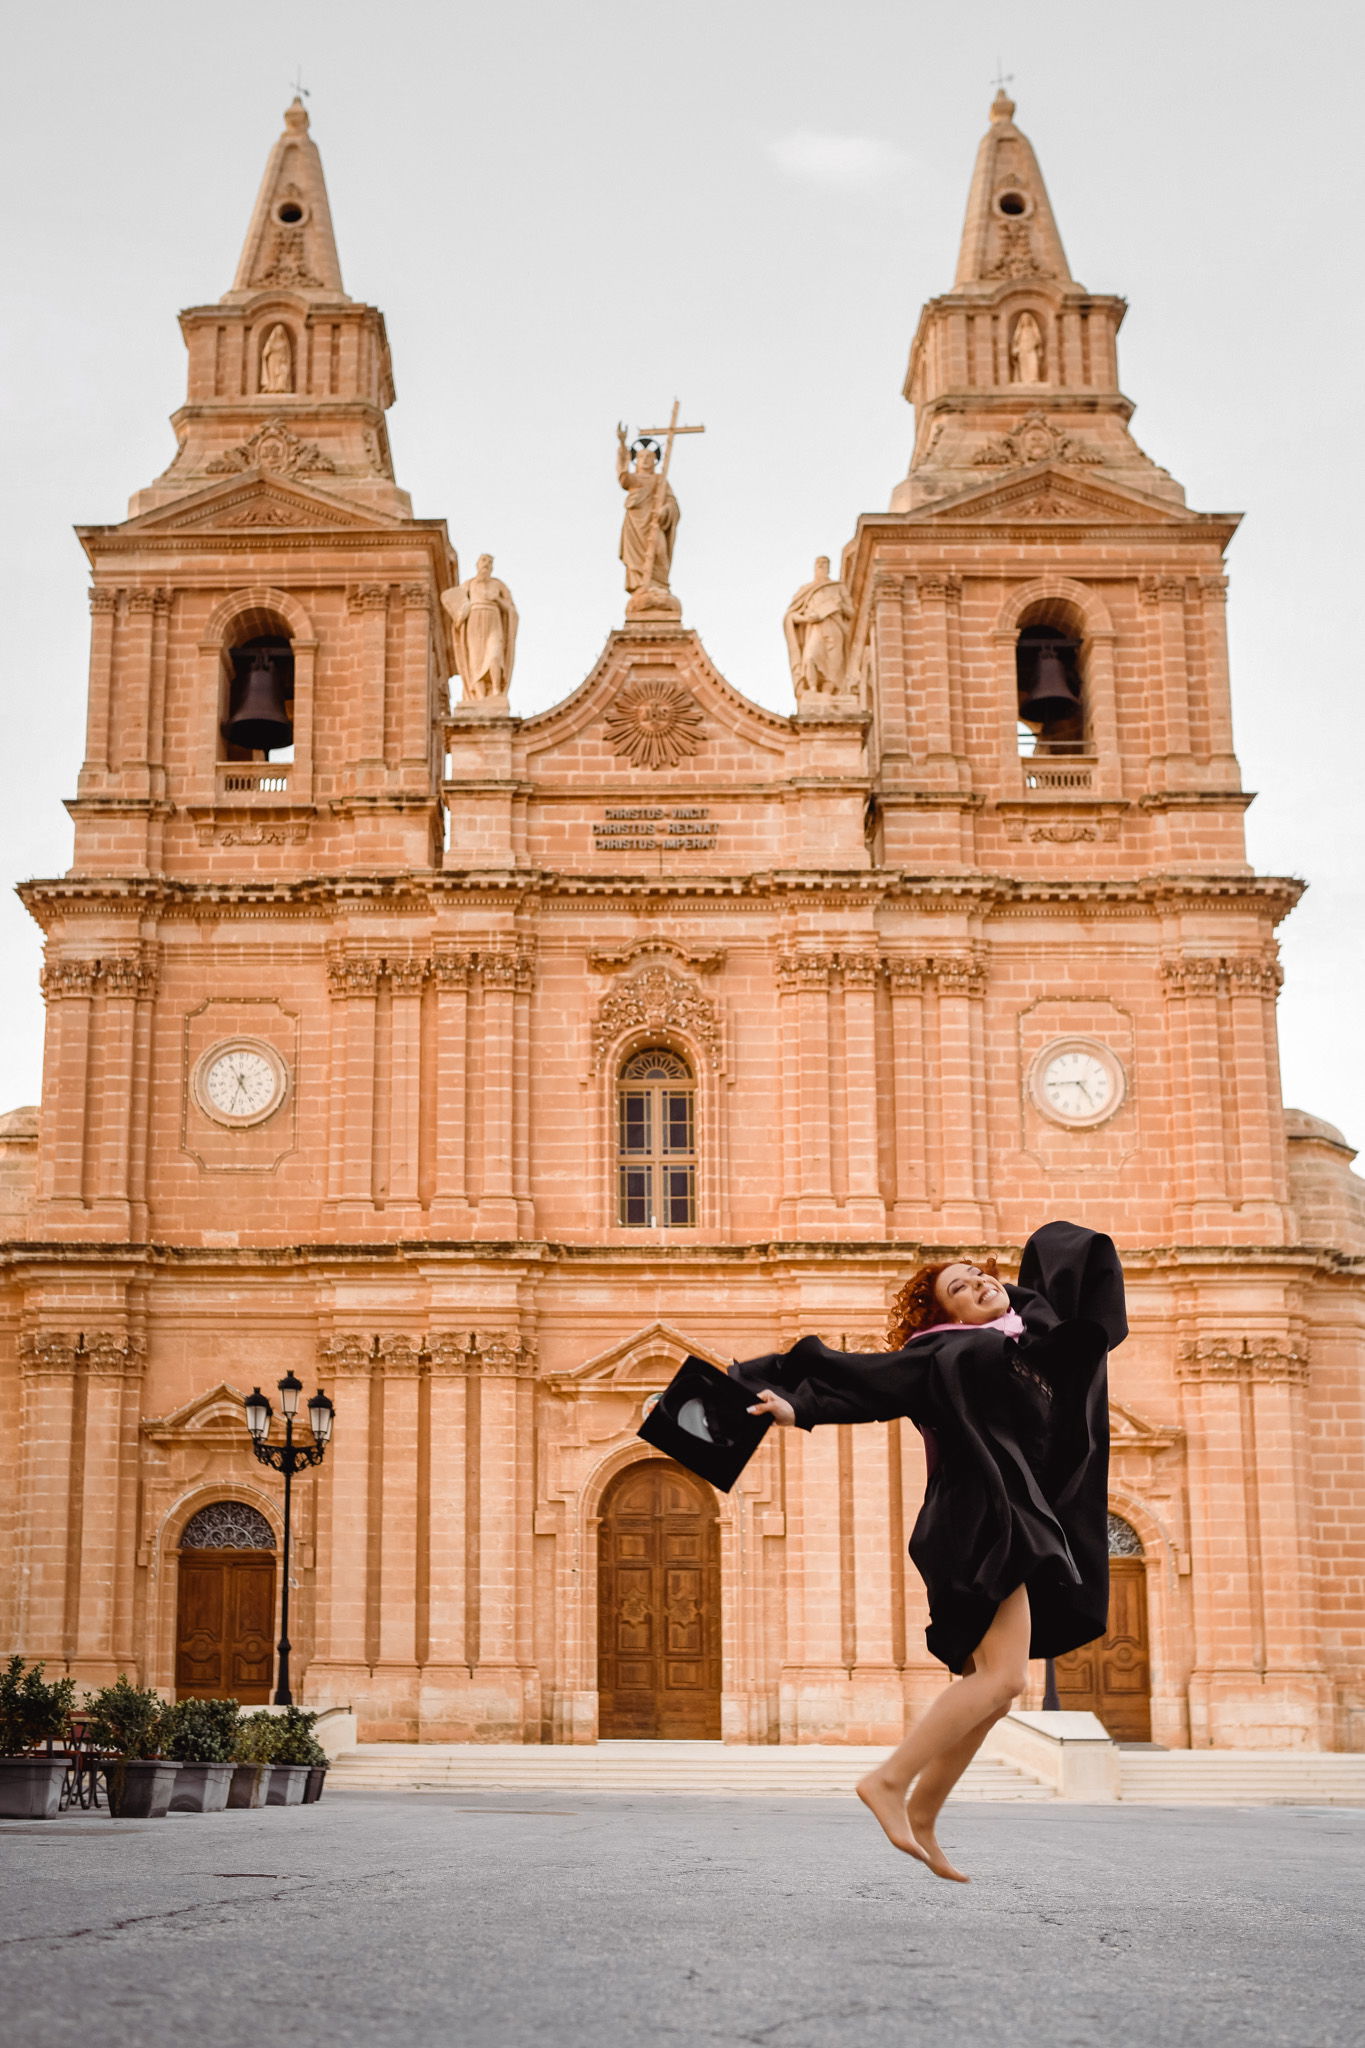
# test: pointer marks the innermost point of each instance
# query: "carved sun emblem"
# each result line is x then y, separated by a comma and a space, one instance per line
655, 724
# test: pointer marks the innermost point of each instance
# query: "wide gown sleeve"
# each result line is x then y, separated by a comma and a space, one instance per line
1078, 1275
824, 1385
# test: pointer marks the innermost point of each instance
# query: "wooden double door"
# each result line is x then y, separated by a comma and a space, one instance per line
658, 1606
1112, 1677
225, 1626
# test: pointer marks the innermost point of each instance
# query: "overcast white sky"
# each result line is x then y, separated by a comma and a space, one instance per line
572, 214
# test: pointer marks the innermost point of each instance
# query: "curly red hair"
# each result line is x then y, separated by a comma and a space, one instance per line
917, 1307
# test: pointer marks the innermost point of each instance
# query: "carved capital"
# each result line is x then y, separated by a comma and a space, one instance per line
1162, 589
416, 597
69, 978
103, 600
368, 597
448, 1352
1266, 1359
406, 976
345, 1352
1208, 974
127, 974
351, 973
946, 588
145, 600
907, 973
806, 970
46, 1351
452, 970
502, 1352
959, 974
397, 1353
511, 968
112, 1353
859, 969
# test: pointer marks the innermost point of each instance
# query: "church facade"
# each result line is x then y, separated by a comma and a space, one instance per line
481, 1066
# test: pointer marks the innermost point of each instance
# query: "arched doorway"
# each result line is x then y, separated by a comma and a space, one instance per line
225, 1605
1113, 1677
658, 1606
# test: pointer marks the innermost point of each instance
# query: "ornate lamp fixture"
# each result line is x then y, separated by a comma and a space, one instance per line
288, 1458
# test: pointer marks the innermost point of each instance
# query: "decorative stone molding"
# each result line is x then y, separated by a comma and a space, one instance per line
948, 588
207, 833
68, 978
1036, 439
1221, 1358
501, 1352
626, 956
113, 1354
117, 974
512, 969
276, 447
353, 973
905, 973
656, 1000
953, 974
860, 970
654, 723
806, 970
406, 977
346, 1352
1162, 589
367, 597
452, 970
127, 974
396, 1352
1015, 257
155, 599
416, 597
1242, 974
441, 1352
288, 263
102, 600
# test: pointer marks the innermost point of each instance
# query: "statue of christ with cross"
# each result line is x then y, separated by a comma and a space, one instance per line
651, 522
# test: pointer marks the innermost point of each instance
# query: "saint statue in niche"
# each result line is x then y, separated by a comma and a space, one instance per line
651, 522
1026, 351
277, 361
485, 622
817, 623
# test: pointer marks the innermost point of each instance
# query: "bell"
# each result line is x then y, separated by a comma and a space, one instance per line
1053, 695
260, 721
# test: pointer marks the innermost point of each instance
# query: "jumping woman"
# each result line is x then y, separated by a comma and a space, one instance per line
1007, 1386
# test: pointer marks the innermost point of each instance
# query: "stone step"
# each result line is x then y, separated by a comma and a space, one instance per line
1202, 1777
702, 1767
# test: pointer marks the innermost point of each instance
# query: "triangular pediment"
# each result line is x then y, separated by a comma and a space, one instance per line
256, 500
655, 701
642, 1362
1051, 491
1129, 1431
218, 1410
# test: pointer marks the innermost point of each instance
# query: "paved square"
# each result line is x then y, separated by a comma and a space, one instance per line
482, 1920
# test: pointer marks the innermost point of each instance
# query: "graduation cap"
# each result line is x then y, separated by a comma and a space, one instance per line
702, 1420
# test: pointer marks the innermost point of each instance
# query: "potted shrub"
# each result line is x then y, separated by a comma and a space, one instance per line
299, 1759
130, 1724
200, 1738
253, 1751
31, 1712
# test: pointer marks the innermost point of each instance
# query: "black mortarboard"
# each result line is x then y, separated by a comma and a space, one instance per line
702, 1420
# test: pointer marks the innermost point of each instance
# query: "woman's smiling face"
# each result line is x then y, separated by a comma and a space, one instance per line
968, 1295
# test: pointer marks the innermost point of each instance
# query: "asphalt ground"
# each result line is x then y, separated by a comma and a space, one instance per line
486, 1920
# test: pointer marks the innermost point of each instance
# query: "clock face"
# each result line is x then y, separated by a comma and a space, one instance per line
1077, 1081
241, 1082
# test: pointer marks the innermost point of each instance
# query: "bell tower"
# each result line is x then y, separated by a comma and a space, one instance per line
269, 658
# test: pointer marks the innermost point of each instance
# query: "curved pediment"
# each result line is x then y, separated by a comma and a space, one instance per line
635, 1364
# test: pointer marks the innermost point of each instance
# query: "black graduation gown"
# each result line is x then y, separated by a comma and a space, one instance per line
1019, 1435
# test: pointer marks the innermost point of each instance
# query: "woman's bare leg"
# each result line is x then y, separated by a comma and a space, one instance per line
998, 1676
929, 1794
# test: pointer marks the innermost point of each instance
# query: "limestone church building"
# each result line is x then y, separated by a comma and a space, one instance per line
480, 1066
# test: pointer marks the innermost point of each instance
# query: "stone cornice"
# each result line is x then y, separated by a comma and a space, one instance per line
425, 892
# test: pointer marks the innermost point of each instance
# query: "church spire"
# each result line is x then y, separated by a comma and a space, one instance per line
290, 240
1009, 230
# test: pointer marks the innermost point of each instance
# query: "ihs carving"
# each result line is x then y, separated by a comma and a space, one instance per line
273, 446
288, 263
654, 724
656, 1000
1035, 439
1015, 257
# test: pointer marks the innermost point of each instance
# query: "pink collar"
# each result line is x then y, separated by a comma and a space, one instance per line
1011, 1323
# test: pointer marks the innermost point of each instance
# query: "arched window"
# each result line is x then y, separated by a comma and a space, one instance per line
228, 1525
656, 1141
258, 721
1124, 1540
1051, 691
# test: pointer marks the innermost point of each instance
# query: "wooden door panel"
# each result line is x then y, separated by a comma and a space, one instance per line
225, 1625
659, 1606
1112, 1678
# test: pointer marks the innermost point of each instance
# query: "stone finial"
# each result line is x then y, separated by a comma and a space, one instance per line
1002, 106
290, 240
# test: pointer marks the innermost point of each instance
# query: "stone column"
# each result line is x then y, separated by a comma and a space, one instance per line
448, 1659
1192, 985
814, 1685
889, 652
936, 678
1170, 738
522, 992
809, 974
504, 1695
110, 1361
123, 980
128, 732
959, 1080
396, 1675
103, 623
370, 602
1217, 685
339, 1669
68, 990
406, 980
1253, 981
864, 1209
497, 1202
875, 1541
354, 978
450, 1210
415, 737
48, 1514
906, 978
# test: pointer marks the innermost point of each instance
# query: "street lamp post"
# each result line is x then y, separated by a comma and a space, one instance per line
288, 1458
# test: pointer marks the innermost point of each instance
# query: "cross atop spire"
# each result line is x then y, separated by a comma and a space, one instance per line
1009, 230
290, 240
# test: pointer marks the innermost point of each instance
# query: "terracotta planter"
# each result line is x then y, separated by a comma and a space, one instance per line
249, 1784
313, 1789
202, 1788
138, 1789
287, 1784
31, 1787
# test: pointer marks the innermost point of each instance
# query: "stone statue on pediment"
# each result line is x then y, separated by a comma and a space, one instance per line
817, 625
651, 519
277, 361
1026, 351
484, 620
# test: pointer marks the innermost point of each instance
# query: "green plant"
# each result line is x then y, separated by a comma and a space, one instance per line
32, 1711
296, 1742
201, 1731
127, 1720
257, 1739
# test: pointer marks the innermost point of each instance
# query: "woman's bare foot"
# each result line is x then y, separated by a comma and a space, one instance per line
887, 1803
922, 1833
